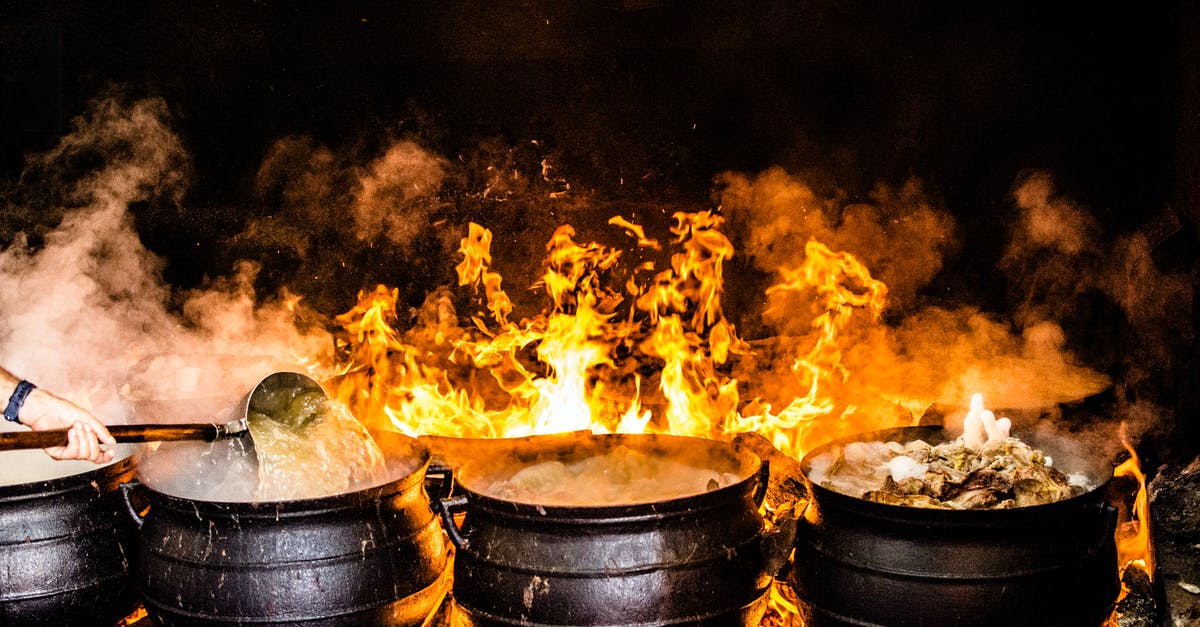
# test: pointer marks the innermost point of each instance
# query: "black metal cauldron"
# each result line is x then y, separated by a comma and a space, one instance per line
696, 560
376, 556
66, 549
863, 563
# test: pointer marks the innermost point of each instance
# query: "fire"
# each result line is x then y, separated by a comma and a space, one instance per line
842, 285
649, 355
1134, 548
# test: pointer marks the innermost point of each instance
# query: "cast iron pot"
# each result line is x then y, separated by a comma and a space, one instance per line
66, 549
376, 556
863, 563
697, 560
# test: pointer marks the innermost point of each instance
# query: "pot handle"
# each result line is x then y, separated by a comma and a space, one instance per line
764, 480
127, 487
444, 507
443, 477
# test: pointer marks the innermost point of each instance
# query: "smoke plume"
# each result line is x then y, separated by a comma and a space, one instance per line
85, 310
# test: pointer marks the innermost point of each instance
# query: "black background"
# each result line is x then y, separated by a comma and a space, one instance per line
671, 92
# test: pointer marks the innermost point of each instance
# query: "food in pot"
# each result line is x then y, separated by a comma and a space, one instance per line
304, 446
619, 476
313, 447
1002, 474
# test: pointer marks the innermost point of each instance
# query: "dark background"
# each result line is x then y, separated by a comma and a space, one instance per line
646, 100
659, 91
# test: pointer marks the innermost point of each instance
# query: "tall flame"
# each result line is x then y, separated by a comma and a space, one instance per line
1134, 548
583, 364
842, 285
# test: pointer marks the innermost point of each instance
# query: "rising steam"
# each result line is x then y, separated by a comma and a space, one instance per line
926, 354
85, 310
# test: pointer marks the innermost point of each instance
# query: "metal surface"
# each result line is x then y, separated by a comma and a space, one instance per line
372, 557
66, 550
696, 560
863, 563
234, 423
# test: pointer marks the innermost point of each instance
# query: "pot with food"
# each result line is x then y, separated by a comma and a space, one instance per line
325, 524
914, 526
610, 530
66, 546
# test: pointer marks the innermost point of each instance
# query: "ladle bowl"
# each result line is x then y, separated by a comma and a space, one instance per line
289, 397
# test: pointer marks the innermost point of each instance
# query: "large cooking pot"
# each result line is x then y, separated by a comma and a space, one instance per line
697, 559
859, 562
375, 556
66, 546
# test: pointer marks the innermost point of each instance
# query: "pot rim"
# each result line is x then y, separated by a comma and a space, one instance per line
101, 475
297, 507
749, 465
944, 517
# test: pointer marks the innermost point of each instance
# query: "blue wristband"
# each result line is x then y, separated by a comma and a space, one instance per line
16, 400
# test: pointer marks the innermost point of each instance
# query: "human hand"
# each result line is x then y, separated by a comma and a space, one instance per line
43, 411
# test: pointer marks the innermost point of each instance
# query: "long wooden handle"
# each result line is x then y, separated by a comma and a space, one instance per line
122, 433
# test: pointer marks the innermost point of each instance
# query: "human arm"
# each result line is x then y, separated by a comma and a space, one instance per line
43, 410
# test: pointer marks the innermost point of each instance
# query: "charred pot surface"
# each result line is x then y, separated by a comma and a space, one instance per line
697, 559
66, 550
864, 563
376, 556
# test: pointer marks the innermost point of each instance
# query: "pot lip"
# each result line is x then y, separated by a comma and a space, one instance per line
616, 513
846, 502
88, 479
293, 507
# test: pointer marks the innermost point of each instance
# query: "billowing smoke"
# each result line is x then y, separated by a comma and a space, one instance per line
1058, 255
1063, 266
898, 233
85, 310
391, 198
923, 354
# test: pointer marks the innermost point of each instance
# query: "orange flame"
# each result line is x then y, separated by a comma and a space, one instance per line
662, 366
1134, 548
842, 285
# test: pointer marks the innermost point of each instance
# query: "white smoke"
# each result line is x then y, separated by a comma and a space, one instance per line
84, 309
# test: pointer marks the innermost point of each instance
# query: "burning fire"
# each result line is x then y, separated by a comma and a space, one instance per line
1134, 548
651, 355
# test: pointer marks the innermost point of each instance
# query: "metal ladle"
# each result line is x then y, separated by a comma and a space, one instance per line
272, 398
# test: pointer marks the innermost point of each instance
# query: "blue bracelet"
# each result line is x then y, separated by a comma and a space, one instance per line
17, 399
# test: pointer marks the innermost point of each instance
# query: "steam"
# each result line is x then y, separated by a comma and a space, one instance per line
387, 202
898, 233
319, 191
924, 354
85, 310
1062, 263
